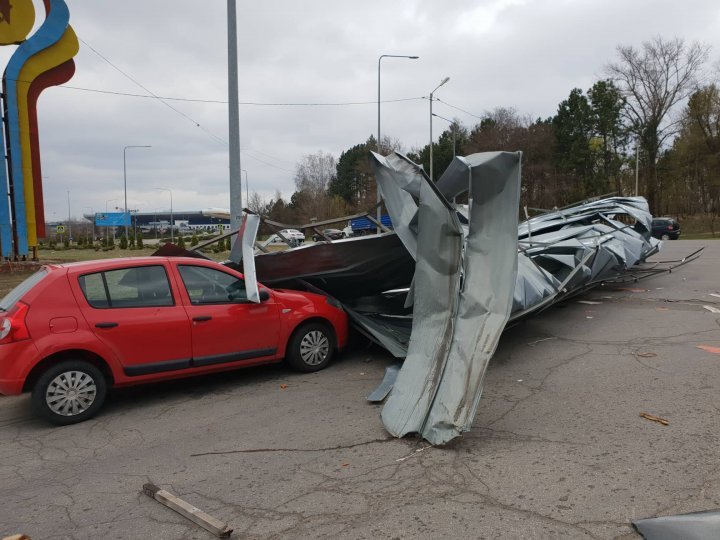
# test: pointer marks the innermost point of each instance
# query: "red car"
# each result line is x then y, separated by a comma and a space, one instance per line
70, 331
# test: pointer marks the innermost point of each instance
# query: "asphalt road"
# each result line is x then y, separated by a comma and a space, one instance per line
558, 448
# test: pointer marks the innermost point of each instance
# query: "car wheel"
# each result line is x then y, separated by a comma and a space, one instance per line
311, 347
665, 237
69, 392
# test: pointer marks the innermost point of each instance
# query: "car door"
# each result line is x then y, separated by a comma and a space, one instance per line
226, 327
133, 311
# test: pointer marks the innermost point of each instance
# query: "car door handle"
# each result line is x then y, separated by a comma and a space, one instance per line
202, 318
106, 325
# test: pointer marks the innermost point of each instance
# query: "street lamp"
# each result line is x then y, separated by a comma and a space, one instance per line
446, 79
127, 232
93, 222
452, 127
68, 227
172, 227
107, 229
378, 107
247, 188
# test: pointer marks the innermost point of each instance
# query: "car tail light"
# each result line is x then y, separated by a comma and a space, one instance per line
670, 228
13, 327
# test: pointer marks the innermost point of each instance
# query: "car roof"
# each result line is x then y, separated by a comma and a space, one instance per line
102, 264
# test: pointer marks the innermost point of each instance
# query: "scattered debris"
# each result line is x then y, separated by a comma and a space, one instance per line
381, 392
207, 522
533, 343
709, 348
662, 309
646, 354
632, 289
590, 302
712, 309
283, 386
655, 418
415, 453
716, 295
693, 526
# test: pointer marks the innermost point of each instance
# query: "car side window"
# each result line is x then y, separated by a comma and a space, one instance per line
139, 286
209, 286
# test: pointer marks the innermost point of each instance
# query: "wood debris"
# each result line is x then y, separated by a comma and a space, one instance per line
654, 418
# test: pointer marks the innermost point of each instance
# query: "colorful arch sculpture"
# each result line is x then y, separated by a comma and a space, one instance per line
43, 60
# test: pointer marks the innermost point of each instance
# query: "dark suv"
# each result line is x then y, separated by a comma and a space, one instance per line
665, 228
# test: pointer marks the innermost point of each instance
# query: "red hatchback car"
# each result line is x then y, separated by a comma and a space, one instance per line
70, 331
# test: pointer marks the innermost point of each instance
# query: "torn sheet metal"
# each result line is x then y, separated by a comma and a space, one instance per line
244, 251
693, 526
461, 304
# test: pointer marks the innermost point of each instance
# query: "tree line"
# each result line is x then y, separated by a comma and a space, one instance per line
652, 123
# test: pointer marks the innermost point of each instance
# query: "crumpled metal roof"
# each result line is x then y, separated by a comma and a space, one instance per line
440, 288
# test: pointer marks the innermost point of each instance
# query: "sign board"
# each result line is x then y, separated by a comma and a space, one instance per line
60, 229
112, 219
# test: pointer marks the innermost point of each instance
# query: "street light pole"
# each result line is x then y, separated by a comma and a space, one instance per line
637, 166
93, 222
233, 118
69, 233
378, 111
172, 227
446, 79
107, 227
127, 231
452, 129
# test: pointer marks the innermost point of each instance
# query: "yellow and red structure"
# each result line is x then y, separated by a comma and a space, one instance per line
44, 59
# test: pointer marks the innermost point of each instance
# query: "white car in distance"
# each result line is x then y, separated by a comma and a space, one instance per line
294, 236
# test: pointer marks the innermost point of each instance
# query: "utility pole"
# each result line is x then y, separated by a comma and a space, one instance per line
233, 119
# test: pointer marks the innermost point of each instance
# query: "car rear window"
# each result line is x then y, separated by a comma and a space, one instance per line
18, 292
138, 286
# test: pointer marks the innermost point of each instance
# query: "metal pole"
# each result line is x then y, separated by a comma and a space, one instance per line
446, 79
127, 231
69, 233
172, 228
378, 114
172, 221
637, 166
234, 119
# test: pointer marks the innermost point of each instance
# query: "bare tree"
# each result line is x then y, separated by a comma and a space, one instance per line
654, 79
313, 175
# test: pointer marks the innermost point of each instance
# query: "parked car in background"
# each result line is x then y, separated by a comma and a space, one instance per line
69, 332
293, 234
666, 228
332, 234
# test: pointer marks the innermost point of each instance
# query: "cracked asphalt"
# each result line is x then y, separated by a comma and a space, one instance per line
558, 448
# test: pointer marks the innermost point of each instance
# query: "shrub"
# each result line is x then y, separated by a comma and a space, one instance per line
123, 242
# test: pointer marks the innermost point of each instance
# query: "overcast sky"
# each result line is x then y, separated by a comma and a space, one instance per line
526, 54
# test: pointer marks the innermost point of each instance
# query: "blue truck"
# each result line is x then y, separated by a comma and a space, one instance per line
361, 226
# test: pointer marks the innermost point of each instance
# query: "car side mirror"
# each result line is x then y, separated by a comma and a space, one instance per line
264, 295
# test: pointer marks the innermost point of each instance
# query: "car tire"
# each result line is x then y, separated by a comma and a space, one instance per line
69, 392
665, 237
311, 347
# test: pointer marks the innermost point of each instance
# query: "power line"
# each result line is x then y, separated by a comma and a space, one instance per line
224, 102
197, 124
459, 109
